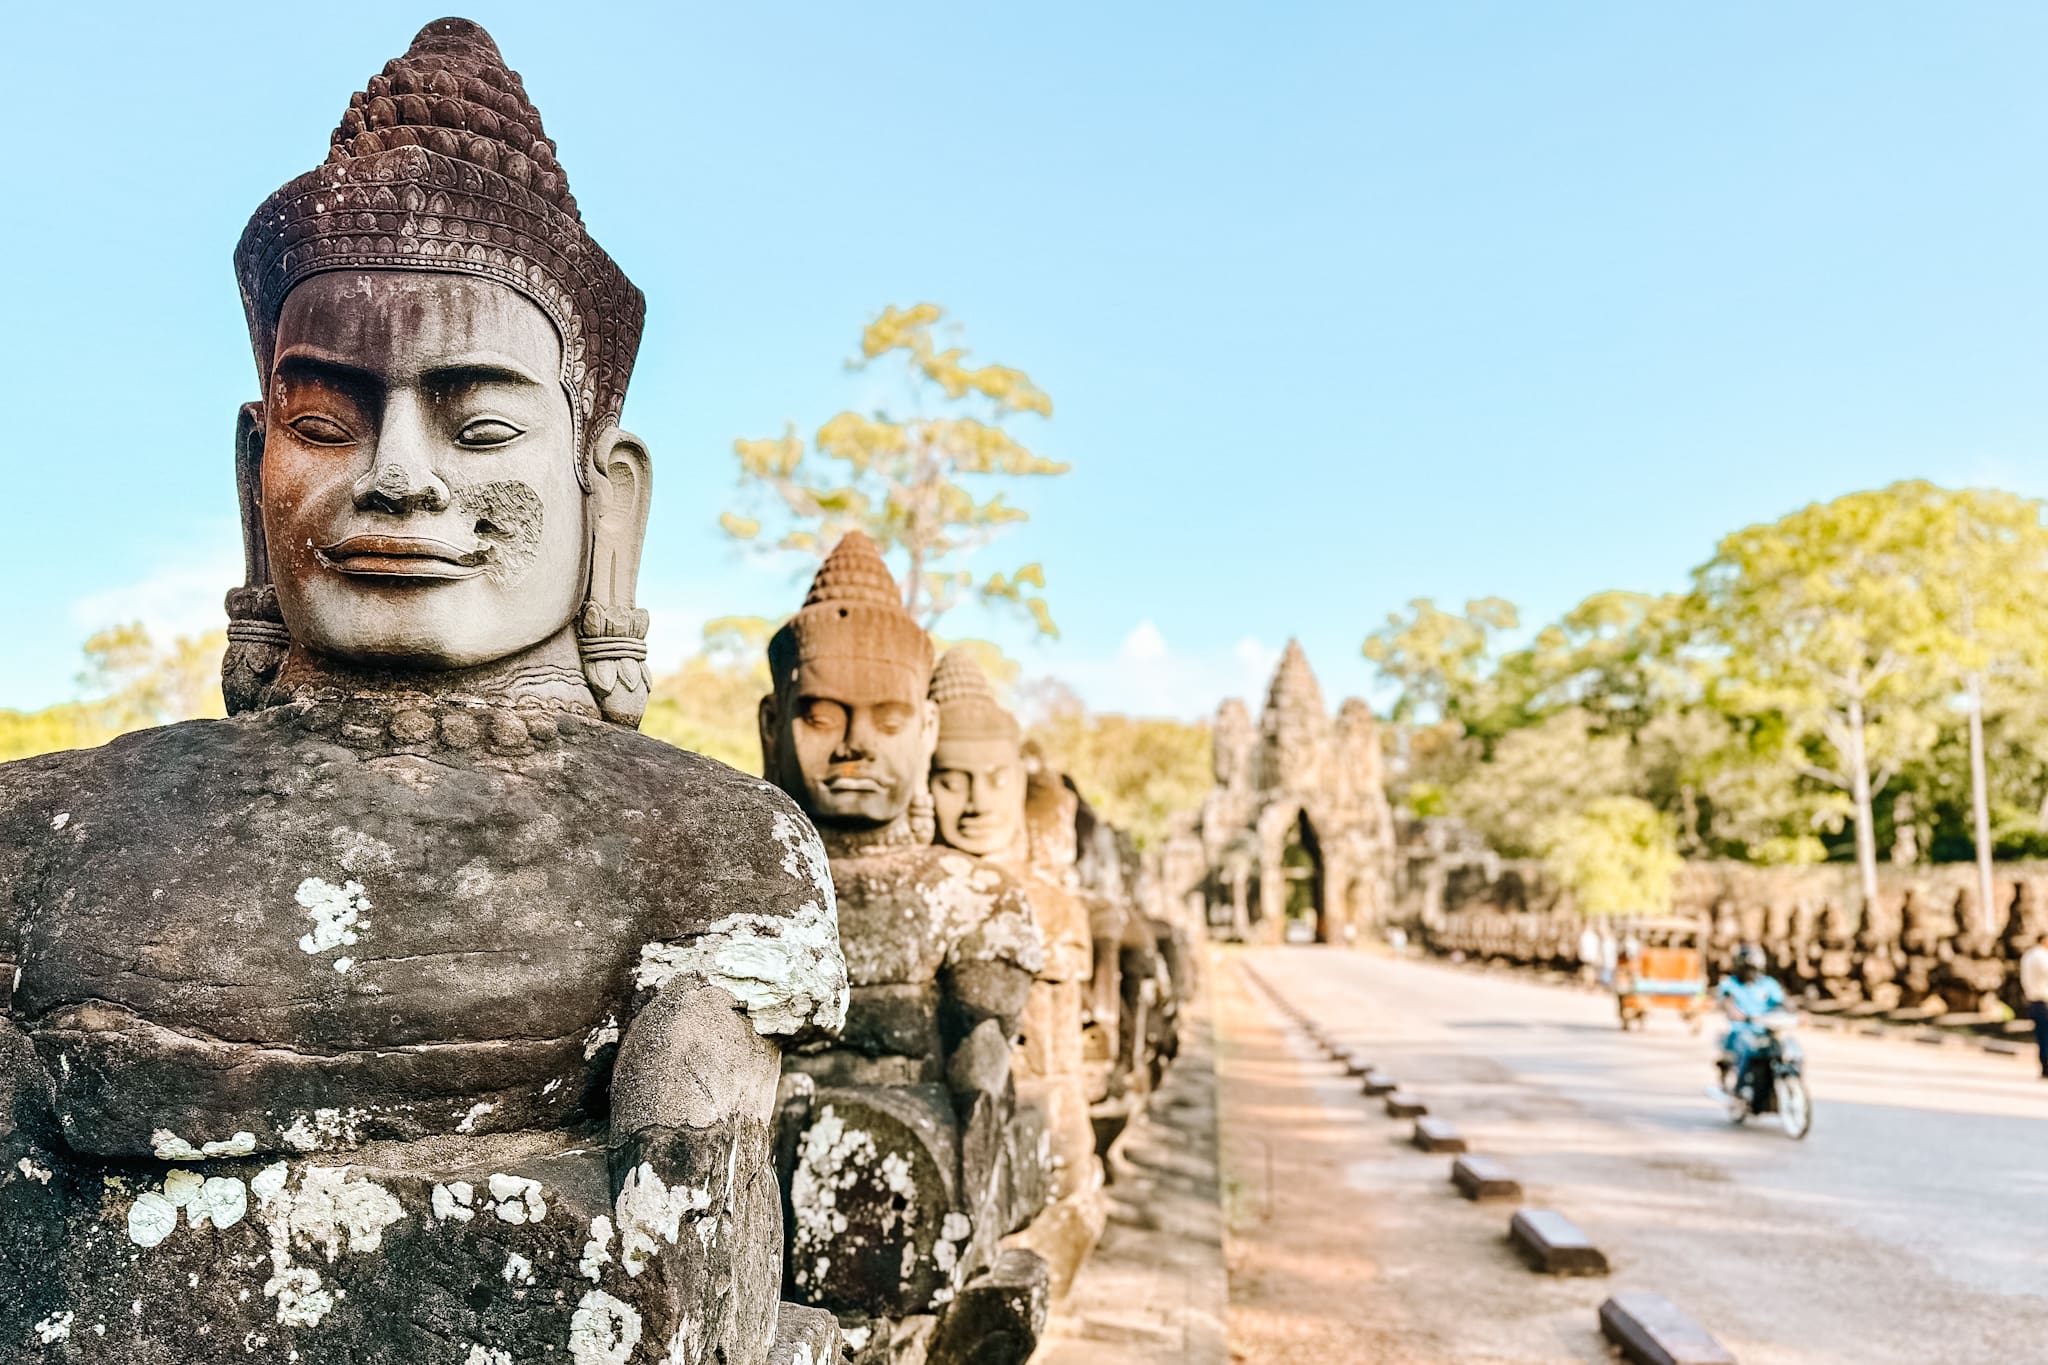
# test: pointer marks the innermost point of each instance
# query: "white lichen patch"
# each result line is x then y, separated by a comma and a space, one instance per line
324, 1128
60, 819
479, 1355
329, 1210
182, 1187
168, 1146
517, 1199
832, 1158
476, 1111
857, 1337
454, 1201
222, 1201
54, 1328
786, 971
803, 854
518, 1270
651, 1213
337, 913
151, 1218
29, 1169
607, 1032
603, 1330
597, 1252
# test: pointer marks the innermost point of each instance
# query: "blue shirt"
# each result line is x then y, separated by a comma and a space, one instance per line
1753, 998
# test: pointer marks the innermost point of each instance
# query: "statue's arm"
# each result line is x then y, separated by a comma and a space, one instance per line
691, 1156
991, 967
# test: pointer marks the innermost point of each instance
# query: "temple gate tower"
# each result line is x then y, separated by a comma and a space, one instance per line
1297, 829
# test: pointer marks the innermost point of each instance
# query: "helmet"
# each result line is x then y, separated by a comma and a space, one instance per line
1749, 957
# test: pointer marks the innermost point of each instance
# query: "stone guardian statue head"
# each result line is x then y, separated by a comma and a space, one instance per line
978, 778
434, 483
849, 728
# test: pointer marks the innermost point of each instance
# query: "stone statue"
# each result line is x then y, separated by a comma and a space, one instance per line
900, 1183
421, 1010
979, 787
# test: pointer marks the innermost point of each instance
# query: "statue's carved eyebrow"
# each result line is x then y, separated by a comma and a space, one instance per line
476, 371
311, 363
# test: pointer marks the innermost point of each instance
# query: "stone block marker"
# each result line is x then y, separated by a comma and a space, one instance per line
1553, 1244
1355, 1064
1437, 1135
1379, 1083
1402, 1105
1650, 1330
1484, 1180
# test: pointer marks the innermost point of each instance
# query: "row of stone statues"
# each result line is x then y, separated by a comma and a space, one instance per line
424, 1011
1922, 947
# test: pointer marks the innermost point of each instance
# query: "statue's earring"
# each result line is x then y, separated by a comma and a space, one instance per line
257, 638
924, 816
611, 632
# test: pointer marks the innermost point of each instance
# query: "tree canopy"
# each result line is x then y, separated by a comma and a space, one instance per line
931, 487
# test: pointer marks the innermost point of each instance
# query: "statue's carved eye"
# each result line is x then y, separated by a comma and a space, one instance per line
489, 431
322, 431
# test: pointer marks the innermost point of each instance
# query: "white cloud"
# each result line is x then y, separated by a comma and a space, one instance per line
1147, 676
180, 595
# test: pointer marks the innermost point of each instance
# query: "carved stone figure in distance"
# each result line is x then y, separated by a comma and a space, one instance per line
979, 787
901, 1181
421, 1010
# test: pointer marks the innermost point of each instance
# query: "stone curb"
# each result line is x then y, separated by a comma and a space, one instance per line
1553, 1244
1437, 1135
1484, 1180
1651, 1330
1401, 1105
1379, 1083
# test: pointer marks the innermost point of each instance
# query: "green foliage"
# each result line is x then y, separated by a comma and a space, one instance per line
930, 489
129, 683
1808, 698
710, 704
1137, 772
1617, 854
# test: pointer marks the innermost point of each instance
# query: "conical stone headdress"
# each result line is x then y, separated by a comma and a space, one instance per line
968, 708
440, 163
854, 613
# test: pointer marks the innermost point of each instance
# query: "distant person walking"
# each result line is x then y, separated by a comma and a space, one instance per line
2034, 985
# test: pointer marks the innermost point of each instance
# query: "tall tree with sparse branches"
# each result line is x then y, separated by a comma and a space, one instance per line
931, 486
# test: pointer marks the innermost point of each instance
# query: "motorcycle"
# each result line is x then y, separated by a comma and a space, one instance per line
1774, 1081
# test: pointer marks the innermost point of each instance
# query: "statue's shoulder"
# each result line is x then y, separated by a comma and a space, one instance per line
735, 883
988, 909
49, 801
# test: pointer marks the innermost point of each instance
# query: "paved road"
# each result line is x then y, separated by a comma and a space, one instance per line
1912, 1226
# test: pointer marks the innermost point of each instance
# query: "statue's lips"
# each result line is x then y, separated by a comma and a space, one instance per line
374, 556
851, 784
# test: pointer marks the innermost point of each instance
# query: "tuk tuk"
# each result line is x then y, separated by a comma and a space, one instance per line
1664, 968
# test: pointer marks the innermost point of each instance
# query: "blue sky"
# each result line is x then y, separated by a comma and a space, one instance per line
1340, 304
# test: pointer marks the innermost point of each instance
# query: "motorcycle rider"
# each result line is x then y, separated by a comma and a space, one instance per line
1746, 995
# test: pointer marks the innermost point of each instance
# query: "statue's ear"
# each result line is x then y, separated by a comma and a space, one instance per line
770, 719
257, 638
613, 632
249, 493
929, 730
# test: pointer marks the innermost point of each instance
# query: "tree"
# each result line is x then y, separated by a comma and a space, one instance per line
910, 482
1824, 625
709, 705
129, 683
1986, 584
1617, 855
1138, 772
1442, 661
